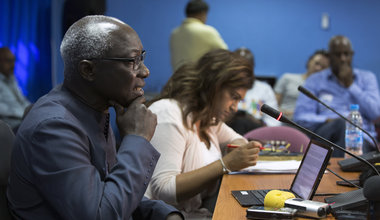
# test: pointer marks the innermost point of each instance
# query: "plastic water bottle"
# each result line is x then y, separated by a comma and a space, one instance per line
354, 136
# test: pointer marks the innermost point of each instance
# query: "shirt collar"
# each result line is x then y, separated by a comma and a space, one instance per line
5, 79
2, 77
192, 20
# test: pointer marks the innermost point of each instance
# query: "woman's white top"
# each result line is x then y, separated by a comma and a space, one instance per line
182, 151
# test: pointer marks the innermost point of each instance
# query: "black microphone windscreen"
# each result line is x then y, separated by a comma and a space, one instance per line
275, 114
270, 111
307, 92
371, 189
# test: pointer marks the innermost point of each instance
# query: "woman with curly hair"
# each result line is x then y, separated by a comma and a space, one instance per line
191, 134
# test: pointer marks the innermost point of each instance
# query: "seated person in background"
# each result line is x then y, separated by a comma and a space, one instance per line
339, 86
286, 87
190, 133
64, 163
12, 101
249, 115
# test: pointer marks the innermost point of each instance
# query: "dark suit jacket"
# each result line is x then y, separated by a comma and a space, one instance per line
64, 165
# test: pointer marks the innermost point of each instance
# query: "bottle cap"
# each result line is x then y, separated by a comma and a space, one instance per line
354, 107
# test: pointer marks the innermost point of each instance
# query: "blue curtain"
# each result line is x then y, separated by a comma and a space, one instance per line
25, 29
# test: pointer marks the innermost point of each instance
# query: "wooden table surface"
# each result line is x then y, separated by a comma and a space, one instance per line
228, 208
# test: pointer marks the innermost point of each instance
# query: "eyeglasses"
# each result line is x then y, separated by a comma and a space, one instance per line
136, 60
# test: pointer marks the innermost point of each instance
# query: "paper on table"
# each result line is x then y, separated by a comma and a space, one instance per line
283, 166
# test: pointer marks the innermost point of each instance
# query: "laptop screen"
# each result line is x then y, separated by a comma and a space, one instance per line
311, 170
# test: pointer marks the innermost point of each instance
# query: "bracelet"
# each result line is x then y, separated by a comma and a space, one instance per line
225, 169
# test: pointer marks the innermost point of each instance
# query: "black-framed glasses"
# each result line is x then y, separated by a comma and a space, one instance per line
136, 60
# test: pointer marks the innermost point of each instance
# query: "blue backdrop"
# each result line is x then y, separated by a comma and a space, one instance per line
281, 33
25, 29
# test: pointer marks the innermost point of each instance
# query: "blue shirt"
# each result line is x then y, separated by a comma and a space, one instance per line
64, 165
363, 91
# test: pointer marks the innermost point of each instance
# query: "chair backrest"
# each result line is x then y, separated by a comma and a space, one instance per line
298, 141
6, 144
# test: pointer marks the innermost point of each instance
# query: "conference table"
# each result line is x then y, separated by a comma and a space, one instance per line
228, 208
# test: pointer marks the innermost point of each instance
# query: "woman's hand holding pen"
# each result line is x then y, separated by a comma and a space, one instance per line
242, 156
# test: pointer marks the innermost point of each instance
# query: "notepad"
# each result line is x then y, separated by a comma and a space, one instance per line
284, 166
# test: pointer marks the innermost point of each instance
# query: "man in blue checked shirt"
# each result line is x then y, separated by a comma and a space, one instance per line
339, 86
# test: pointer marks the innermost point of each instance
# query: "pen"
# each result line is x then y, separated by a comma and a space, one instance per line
236, 146
232, 146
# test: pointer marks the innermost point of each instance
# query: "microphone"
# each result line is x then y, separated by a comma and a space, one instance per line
280, 117
310, 95
371, 191
350, 164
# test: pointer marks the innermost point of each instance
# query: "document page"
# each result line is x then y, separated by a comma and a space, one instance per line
283, 166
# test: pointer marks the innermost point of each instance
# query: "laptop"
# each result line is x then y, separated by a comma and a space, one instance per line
305, 182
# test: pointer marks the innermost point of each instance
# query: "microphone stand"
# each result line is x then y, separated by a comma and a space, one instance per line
310, 95
278, 116
336, 146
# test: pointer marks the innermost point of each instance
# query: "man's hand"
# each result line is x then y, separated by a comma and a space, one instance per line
330, 120
345, 75
136, 120
174, 216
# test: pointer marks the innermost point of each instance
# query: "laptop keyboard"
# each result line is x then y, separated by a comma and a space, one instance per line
259, 195
252, 197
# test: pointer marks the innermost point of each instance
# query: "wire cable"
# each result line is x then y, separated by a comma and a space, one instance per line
345, 180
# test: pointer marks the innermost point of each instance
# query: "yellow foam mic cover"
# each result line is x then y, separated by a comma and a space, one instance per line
276, 198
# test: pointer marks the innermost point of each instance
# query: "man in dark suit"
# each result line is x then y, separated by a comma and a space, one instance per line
64, 163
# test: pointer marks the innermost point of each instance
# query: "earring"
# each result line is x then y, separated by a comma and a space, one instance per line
213, 120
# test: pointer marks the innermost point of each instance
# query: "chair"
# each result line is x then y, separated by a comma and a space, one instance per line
6, 143
298, 141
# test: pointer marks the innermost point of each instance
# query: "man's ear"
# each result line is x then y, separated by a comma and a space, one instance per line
86, 70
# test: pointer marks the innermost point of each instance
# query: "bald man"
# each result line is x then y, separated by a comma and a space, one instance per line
12, 100
64, 163
339, 86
